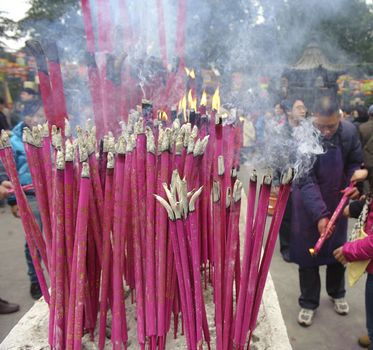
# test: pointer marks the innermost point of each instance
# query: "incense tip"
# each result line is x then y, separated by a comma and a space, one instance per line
267, 180
194, 198
110, 160
221, 168
67, 128
237, 190
121, 145
216, 191
69, 151
85, 169
312, 251
150, 144
60, 160
56, 137
254, 176
5, 139
287, 176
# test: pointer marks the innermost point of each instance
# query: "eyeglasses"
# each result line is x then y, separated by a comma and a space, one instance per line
324, 128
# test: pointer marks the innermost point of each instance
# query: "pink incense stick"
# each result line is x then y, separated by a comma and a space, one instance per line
60, 273
116, 335
108, 217
331, 224
233, 239
81, 241
40, 190
283, 197
218, 270
69, 206
259, 226
45, 158
246, 258
139, 278
150, 293
161, 232
195, 252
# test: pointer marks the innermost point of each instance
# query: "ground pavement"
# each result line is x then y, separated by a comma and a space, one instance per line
329, 331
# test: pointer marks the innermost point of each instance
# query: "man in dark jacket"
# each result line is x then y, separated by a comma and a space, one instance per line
314, 199
5, 186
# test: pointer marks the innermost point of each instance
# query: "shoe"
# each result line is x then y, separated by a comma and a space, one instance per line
8, 308
364, 341
341, 306
35, 291
305, 317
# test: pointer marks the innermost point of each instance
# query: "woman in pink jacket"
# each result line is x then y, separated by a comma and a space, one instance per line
362, 250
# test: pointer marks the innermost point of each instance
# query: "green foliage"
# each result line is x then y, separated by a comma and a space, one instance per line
8, 28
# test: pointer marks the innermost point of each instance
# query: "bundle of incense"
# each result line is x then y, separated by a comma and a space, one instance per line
120, 246
177, 208
278, 215
331, 224
32, 231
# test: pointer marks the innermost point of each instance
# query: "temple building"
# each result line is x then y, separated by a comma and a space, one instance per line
313, 74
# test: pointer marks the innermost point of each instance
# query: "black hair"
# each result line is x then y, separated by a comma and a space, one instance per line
326, 105
2, 101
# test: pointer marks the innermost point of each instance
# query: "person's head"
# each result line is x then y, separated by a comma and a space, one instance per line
27, 95
370, 111
297, 112
327, 116
35, 116
279, 111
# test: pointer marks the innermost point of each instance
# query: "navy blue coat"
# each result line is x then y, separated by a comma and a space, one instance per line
317, 195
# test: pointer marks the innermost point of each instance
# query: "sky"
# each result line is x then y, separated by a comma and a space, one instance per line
14, 9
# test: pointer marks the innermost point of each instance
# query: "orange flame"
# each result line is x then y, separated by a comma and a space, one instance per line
216, 100
192, 101
162, 116
182, 106
190, 73
203, 101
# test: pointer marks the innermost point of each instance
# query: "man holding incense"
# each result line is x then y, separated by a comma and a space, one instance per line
314, 199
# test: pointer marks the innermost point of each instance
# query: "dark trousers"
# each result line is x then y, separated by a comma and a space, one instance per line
369, 307
285, 228
310, 284
30, 266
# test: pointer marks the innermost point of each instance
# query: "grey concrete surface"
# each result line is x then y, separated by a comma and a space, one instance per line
14, 281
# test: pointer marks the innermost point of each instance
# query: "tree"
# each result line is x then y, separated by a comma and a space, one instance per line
8, 28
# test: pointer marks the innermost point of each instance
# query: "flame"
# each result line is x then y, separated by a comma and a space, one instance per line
216, 100
162, 115
182, 106
192, 101
190, 73
312, 251
187, 71
203, 101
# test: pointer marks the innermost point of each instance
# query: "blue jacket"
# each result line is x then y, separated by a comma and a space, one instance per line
20, 154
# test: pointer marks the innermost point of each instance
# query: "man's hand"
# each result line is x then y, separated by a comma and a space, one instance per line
321, 225
4, 189
14, 210
338, 254
359, 175
354, 193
